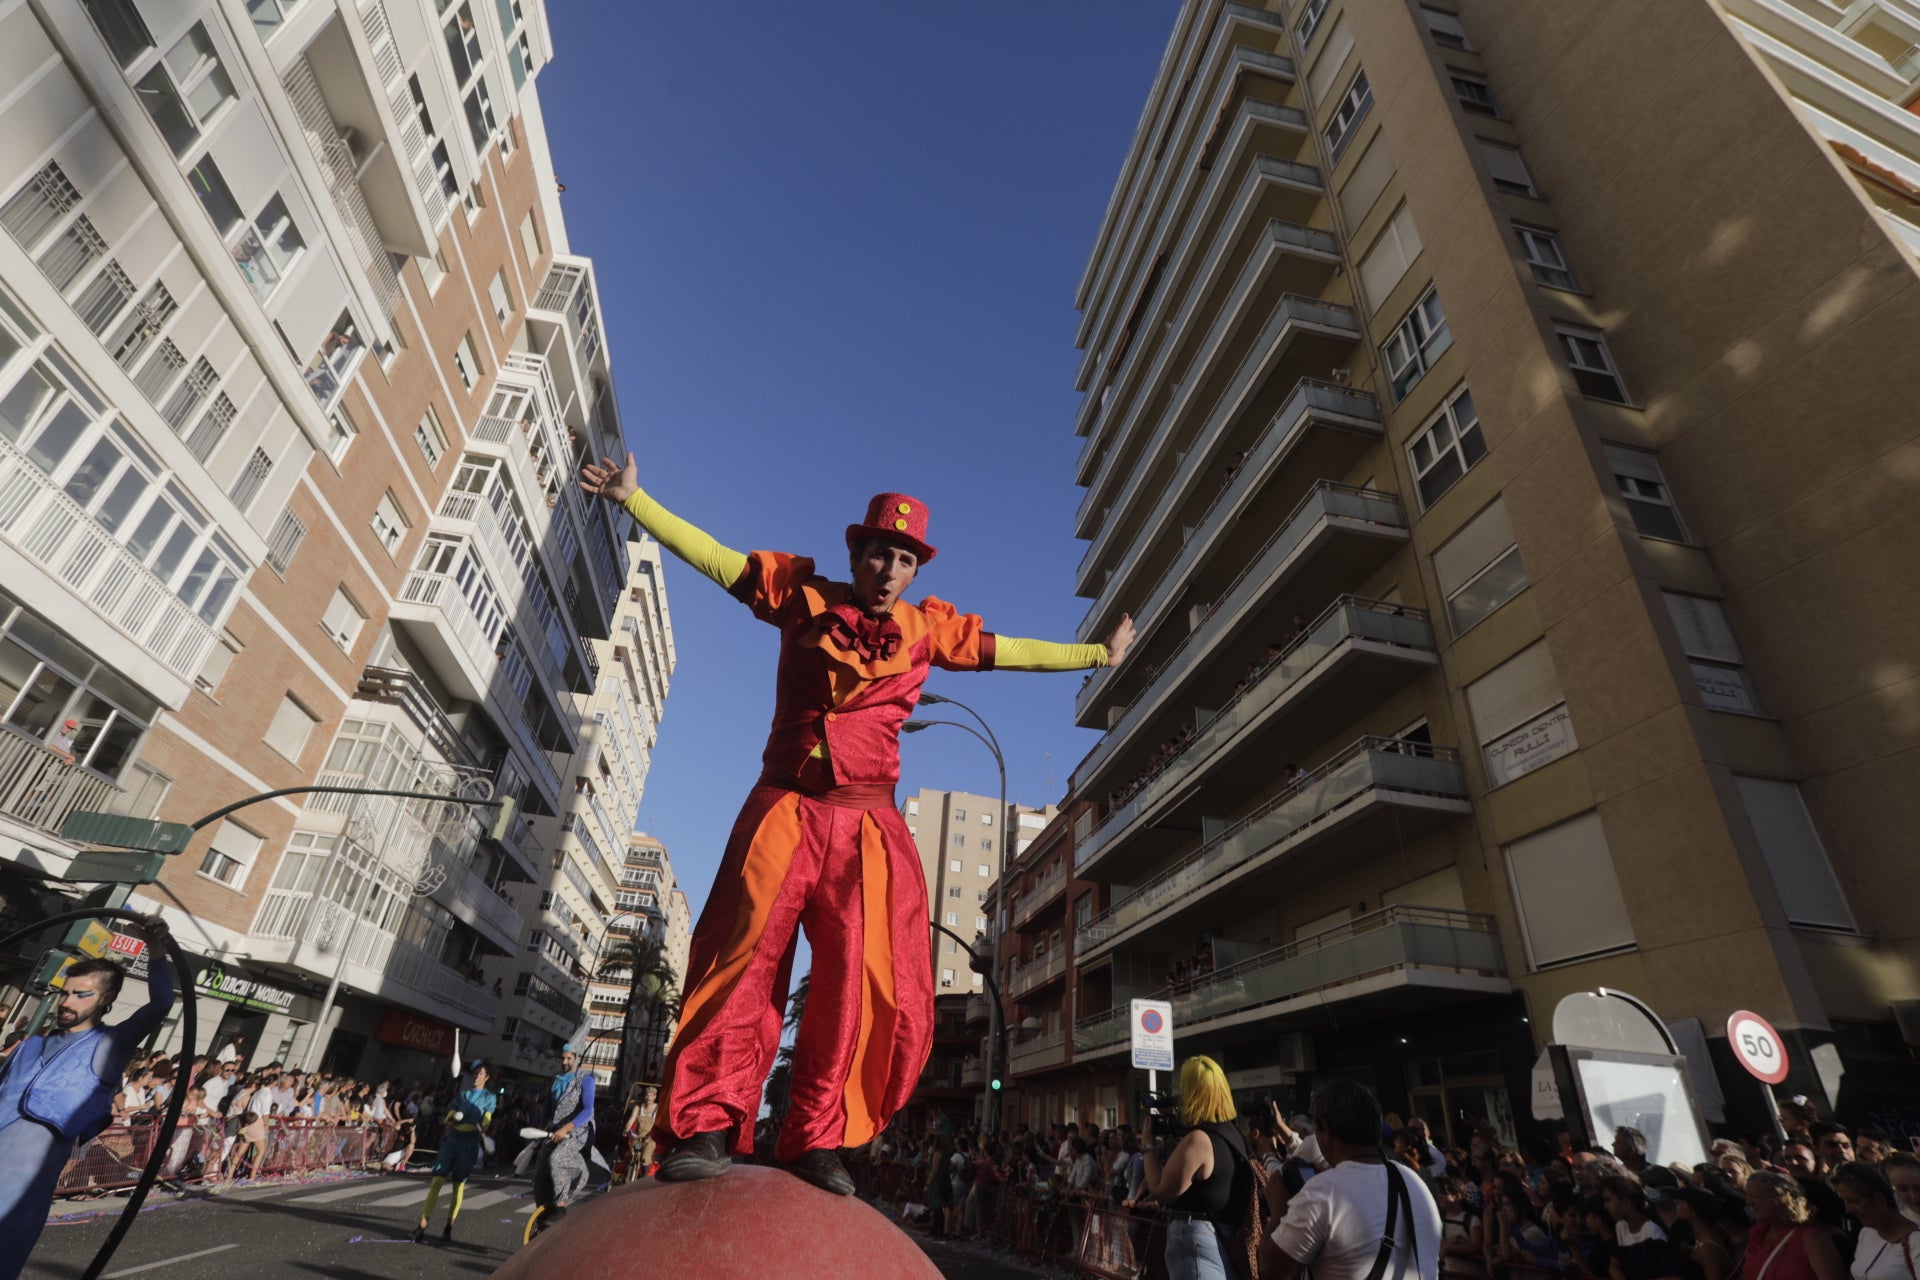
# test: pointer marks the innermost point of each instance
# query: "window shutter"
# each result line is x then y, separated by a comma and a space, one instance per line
1367, 181
1567, 892
1333, 55
1476, 546
1703, 627
1802, 873
1514, 692
1393, 251
1505, 165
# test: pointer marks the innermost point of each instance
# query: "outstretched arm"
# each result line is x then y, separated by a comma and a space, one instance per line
620, 484
1011, 653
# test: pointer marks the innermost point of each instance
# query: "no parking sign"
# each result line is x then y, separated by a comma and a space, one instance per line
1152, 1035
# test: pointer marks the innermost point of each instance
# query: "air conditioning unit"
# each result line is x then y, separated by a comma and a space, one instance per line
1295, 1055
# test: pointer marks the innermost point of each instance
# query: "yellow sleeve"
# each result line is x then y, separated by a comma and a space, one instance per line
699, 549
1011, 653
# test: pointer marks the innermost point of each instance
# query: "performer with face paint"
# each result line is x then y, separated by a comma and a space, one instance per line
566, 1163
820, 846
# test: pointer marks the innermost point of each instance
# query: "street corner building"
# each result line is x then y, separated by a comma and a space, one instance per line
296, 368
1497, 417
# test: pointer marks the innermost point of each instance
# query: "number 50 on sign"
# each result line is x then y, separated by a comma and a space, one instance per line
1757, 1046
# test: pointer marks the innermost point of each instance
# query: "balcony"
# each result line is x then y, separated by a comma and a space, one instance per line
461, 646
42, 790
460, 890
979, 1009
973, 1073
1375, 795
1389, 961
43, 524
1039, 1053
1045, 891
376, 962
1344, 662
1321, 430
1037, 973
398, 687
518, 568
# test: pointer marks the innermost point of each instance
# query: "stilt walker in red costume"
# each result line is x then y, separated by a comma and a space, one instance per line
820, 846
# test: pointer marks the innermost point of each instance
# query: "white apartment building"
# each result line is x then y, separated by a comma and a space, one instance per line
963, 840
647, 904
295, 370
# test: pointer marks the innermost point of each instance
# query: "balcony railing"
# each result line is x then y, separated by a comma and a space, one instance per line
398, 687
1381, 941
1043, 892
41, 522
469, 897
1348, 619
1041, 1051
341, 171
973, 1073
1386, 763
441, 591
40, 789
979, 1008
1311, 402
1036, 973
1326, 503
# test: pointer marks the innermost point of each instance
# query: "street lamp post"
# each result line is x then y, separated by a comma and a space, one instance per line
996, 1030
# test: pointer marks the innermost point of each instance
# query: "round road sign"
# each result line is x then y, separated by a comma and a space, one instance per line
1757, 1046
1150, 1020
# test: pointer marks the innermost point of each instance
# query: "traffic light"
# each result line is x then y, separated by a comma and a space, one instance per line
994, 1084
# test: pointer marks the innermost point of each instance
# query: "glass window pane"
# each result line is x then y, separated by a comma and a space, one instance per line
1505, 580
196, 579
215, 197
121, 27
16, 668
93, 712
117, 745
206, 97
88, 478
169, 114
216, 598
42, 703
146, 534
23, 401
57, 439
189, 51
174, 550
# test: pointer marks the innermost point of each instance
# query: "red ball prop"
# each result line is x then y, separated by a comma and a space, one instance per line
753, 1223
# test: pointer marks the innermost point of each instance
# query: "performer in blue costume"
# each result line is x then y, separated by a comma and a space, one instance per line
460, 1148
56, 1090
566, 1163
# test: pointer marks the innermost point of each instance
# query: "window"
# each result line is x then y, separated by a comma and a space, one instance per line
1448, 448
1421, 338
433, 270
954, 892
292, 726
953, 919
959, 815
104, 298
231, 854
1445, 28
530, 238
501, 299
466, 363
959, 842
1592, 364
212, 427
1479, 568
121, 27
979, 895
389, 526
188, 395
986, 819
288, 533
38, 206
341, 432
1706, 637
946, 977
1475, 94
253, 476
1386, 263
131, 340
987, 845
210, 186
214, 669
1568, 893
953, 867
1637, 472
1809, 891
1546, 258
1367, 179
985, 870
1353, 108
480, 119
343, 619
327, 372
431, 439
72, 252
1520, 716
1507, 169
1310, 20
913, 808
980, 924
267, 249
185, 89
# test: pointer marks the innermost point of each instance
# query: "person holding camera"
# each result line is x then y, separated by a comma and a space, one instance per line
1205, 1180
1365, 1217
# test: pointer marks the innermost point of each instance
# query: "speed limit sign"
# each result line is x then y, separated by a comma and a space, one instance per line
1757, 1046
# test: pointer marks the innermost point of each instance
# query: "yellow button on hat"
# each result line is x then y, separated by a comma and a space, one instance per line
904, 509
900, 524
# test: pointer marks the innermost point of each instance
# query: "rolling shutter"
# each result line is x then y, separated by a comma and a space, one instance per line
1567, 892
1802, 873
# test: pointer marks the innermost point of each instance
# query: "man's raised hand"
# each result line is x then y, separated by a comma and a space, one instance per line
610, 480
1120, 641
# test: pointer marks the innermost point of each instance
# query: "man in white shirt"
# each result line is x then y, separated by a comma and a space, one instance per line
217, 1084
1337, 1221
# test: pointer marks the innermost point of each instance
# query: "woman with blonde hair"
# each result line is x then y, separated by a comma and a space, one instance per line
1205, 1180
1782, 1243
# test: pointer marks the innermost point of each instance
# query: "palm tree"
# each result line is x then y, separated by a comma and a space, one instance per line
653, 988
780, 1081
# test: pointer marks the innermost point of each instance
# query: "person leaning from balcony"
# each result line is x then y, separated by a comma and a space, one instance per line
56, 1090
1205, 1178
59, 739
1337, 1223
820, 845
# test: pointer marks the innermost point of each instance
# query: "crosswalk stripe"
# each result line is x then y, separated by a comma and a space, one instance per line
484, 1199
526, 1208
365, 1188
412, 1195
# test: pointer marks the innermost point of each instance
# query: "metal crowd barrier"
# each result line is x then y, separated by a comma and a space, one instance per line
294, 1146
1089, 1236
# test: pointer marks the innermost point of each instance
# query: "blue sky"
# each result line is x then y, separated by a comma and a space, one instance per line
837, 246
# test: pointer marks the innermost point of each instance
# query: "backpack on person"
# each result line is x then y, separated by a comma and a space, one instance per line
1254, 1221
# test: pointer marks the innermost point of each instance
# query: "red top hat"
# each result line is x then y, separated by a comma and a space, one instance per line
897, 518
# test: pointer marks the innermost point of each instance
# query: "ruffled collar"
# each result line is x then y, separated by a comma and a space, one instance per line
858, 632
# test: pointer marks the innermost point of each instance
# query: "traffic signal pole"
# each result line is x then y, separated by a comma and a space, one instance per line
996, 1029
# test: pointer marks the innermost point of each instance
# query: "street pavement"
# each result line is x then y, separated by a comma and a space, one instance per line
359, 1227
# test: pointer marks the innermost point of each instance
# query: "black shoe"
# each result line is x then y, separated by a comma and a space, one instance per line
704, 1155
419, 1235
823, 1169
446, 1234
